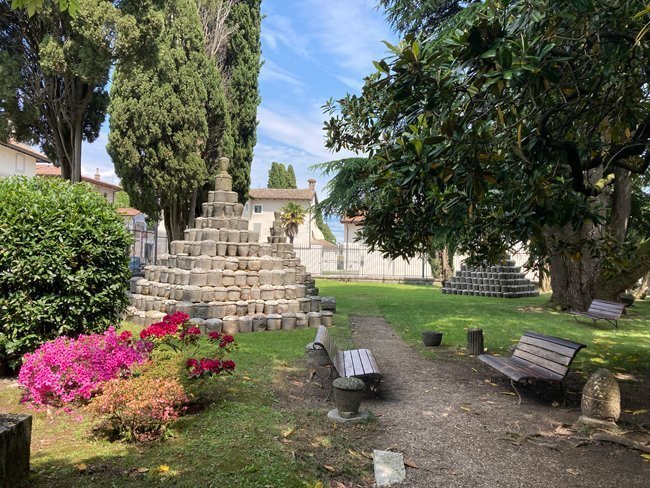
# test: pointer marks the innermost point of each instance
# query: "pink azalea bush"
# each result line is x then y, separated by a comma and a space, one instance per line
70, 370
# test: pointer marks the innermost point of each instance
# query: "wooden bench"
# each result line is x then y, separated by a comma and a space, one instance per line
357, 363
536, 357
602, 310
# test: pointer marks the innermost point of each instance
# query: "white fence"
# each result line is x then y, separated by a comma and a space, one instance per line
356, 260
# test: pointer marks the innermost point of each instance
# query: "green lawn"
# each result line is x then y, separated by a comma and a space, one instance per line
411, 309
239, 442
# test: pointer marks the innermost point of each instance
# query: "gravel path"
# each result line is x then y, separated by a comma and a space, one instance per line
464, 432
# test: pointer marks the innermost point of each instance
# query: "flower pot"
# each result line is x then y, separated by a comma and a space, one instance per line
348, 393
431, 338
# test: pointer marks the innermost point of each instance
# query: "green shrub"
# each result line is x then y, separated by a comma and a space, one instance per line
63, 263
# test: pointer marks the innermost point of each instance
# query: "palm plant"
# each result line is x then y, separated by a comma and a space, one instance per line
292, 216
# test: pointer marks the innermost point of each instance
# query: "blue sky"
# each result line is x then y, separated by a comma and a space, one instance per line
312, 50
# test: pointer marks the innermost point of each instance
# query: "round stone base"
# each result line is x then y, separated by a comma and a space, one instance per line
361, 417
591, 424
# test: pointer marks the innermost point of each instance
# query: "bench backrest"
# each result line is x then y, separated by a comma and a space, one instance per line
324, 340
551, 353
607, 309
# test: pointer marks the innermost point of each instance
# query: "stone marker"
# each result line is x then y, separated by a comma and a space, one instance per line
601, 401
389, 467
15, 440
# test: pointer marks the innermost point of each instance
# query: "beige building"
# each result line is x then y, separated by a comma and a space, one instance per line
263, 202
18, 159
107, 189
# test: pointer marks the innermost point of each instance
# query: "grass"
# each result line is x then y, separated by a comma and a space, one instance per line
236, 443
242, 440
412, 309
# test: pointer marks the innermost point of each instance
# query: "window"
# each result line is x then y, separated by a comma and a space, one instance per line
20, 164
257, 209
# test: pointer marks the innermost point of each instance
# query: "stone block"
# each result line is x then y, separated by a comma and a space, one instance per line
15, 440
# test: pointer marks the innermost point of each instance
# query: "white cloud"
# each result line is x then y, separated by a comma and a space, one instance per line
278, 30
272, 72
348, 31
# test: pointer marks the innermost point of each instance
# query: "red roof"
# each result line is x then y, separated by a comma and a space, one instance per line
51, 170
323, 242
281, 194
128, 211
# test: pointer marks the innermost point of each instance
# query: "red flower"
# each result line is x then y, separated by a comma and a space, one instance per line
214, 335
125, 336
228, 364
225, 340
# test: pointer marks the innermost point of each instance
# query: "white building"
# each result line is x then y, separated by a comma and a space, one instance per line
18, 159
351, 226
263, 202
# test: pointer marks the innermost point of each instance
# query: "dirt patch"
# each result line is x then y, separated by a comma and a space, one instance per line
461, 424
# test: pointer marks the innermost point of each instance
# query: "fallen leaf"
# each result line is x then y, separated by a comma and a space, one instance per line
81, 467
246, 378
286, 433
354, 453
142, 470
366, 454
340, 485
329, 468
410, 464
475, 370
574, 472
163, 468
317, 485
639, 412
467, 409
646, 457
507, 393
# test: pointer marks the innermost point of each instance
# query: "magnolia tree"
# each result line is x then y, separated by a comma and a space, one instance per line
515, 122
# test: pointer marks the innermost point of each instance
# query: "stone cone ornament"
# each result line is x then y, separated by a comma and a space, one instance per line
601, 401
601, 397
223, 277
502, 281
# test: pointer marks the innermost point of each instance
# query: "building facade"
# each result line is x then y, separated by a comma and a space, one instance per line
19, 160
263, 202
103, 187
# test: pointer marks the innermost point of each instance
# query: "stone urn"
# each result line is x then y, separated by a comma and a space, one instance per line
431, 338
348, 393
601, 400
223, 164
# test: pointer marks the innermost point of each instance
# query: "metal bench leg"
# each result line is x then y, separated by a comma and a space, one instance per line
512, 383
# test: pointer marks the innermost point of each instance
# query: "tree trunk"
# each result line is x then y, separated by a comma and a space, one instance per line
641, 293
445, 268
544, 279
573, 270
191, 218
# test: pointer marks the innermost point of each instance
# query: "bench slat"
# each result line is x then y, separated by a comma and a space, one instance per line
575, 346
369, 362
551, 346
356, 362
536, 372
541, 362
542, 352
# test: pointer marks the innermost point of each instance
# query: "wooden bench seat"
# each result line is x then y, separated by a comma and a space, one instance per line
536, 357
602, 310
357, 363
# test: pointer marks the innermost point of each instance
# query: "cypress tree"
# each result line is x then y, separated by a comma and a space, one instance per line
159, 122
277, 176
242, 64
291, 177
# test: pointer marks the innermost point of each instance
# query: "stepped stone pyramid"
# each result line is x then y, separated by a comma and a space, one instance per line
225, 279
503, 281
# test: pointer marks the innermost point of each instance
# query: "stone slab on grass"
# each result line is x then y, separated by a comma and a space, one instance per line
389, 467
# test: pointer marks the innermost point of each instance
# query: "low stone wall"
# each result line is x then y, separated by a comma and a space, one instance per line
15, 440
